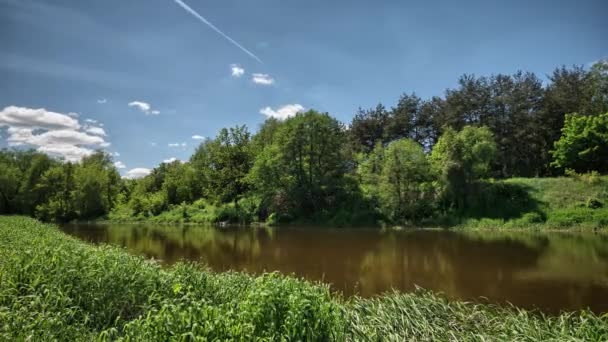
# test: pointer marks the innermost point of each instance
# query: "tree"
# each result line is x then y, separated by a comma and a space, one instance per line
397, 179
96, 185
368, 127
302, 171
583, 145
222, 164
598, 88
180, 183
10, 176
29, 195
58, 185
568, 92
460, 158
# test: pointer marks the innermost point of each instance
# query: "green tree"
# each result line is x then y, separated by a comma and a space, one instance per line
405, 193
10, 176
583, 145
460, 158
58, 185
96, 185
180, 183
301, 173
368, 127
221, 164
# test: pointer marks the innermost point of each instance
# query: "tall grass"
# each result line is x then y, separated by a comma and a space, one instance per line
54, 287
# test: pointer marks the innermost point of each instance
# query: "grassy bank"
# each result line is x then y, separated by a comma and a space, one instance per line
55, 287
576, 202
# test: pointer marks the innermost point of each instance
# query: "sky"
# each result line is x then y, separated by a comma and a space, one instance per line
148, 80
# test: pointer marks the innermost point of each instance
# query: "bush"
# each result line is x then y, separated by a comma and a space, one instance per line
593, 203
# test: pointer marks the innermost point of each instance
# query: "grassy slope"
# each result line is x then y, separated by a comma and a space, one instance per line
55, 287
561, 202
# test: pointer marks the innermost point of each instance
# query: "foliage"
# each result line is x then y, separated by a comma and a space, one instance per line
398, 178
459, 159
34, 184
583, 145
222, 164
301, 172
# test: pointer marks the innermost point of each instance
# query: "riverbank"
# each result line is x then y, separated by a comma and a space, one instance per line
578, 203
57, 287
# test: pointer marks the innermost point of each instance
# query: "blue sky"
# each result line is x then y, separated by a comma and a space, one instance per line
94, 58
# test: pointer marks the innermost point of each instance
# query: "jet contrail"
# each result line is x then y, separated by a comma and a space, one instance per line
205, 21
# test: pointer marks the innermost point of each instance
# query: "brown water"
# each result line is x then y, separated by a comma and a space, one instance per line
550, 271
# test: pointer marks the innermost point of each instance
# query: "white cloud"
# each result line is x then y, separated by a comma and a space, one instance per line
263, 79
137, 172
95, 131
53, 133
120, 165
284, 112
152, 143
116, 154
57, 137
177, 144
198, 137
143, 107
170, 160
36, 118
92, 121
102, 101
236, 70
67, 152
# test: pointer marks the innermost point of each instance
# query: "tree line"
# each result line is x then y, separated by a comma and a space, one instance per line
422, 158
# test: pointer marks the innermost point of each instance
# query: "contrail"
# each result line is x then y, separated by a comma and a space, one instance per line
208, 23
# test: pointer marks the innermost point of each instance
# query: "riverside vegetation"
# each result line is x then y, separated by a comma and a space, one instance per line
54, 287
474, 158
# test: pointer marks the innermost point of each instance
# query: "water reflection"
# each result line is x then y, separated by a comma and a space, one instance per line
550, 271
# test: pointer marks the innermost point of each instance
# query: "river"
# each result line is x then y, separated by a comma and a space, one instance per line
549, 271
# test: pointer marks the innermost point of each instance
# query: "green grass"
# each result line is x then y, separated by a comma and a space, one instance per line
579, 202
198, 212
54, 287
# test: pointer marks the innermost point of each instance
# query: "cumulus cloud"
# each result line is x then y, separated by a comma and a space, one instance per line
170, 160
284, 112
102, 101
71, 153
137, 172
263, 79
92, 121
120, 165
236, 70
49, 132
13, 116
198, 137
57, 137
95, 131
143, 107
